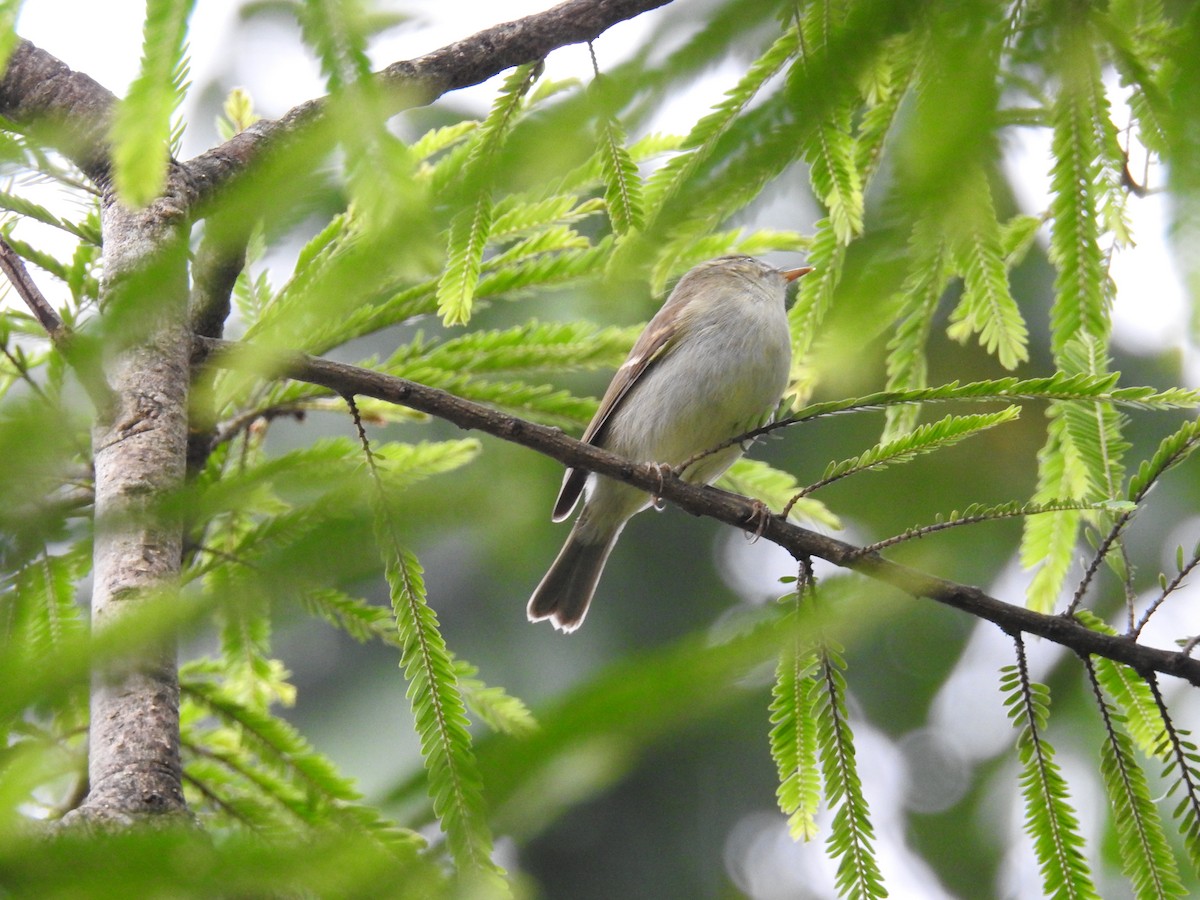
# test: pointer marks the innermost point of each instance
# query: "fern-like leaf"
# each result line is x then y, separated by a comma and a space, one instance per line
928, 274
1049, 819
471, 227
455, 785
1146, 855
851, 836
987, 306
141, 128
622, 186
1048, 541
361, 620
978, 513
22, 206
827, 255
794, 736
1174, 449
1081, 283
534, 347
468, 238
1093, 429
1056, 387
926, 439
700, 142
499, 709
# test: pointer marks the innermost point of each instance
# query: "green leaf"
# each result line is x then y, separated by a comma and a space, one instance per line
1093, 429
926, 439
1082, 286
471, 226
141, 128
41, 612
1048, 541
272, 758
523, 349
501, 711
851, 835
439, 713
1171, 451
1146, 855
623, 187
829, 146
337, 30
794, 736
361, 620
928, 275
814, 299
987, 306
1061, 386
85, 231
468, 238
1049, 818
702, 140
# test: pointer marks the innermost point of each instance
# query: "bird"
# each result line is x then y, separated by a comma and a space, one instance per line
711, 365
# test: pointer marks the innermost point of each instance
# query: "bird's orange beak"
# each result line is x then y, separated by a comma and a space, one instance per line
793, 274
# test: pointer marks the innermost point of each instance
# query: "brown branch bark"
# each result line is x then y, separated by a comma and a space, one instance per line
63, 108
417, 82
71, 112
733, 509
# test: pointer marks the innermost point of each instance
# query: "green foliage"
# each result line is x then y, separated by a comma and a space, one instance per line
470, 228
987, 307
1050, 820
851, 835
440, 715
1146, 856
702, 140
794, 735
141, 131
778, 490
459, 253
925, 439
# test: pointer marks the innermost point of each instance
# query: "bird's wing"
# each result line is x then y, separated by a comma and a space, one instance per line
654, 343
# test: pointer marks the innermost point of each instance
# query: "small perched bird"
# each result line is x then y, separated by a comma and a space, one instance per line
711, 365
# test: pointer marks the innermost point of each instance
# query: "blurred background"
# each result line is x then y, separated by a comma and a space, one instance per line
640, 809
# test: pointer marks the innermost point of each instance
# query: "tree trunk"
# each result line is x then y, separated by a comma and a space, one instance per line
139, 448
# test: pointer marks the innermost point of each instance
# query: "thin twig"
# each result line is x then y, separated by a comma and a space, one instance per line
86, 366
14, 270
1098, 557
1173, 586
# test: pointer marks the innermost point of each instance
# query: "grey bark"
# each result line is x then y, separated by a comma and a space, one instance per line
139, 449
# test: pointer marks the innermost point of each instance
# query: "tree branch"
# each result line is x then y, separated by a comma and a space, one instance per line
732, 509
82, 359
420, 81
71, 112
66, 109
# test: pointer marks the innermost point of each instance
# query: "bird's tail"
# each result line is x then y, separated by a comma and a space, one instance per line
566, 590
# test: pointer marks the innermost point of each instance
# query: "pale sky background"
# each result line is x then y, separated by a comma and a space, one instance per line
104, 40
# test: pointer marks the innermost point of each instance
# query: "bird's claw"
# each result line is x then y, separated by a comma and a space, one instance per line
663, 470
759, 518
